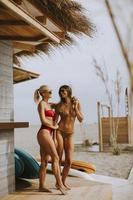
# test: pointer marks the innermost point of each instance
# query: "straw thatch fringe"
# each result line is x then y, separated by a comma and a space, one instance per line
70, 15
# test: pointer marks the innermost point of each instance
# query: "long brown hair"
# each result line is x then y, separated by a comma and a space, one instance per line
68, 89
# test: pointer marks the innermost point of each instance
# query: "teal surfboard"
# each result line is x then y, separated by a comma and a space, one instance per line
19, 166
31, 166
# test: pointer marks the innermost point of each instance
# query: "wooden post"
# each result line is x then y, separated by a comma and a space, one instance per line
99, 127
129, 129
110, 121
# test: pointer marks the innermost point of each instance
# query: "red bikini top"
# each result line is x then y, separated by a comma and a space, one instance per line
50, 113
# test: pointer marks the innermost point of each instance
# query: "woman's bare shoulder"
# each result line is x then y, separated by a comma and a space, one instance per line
41, 104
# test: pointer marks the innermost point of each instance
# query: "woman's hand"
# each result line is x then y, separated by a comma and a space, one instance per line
75, 103
77, 107
55, 126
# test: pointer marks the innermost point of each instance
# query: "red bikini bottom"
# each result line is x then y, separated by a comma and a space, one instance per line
47, 128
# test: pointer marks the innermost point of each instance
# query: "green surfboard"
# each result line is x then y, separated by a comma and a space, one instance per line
31, 166
19, 166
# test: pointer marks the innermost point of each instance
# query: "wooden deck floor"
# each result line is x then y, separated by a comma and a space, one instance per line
81, 190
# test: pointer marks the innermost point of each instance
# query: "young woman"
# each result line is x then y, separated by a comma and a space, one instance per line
45, 138
68, 109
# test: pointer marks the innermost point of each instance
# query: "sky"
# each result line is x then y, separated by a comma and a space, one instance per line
74, 66
123, 12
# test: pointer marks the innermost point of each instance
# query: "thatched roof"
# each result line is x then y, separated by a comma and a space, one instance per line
70, 15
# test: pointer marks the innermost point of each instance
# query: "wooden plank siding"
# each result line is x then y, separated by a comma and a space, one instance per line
122, 129
7, 174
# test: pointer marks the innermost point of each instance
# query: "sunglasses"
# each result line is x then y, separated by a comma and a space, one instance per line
48, 91
62, 90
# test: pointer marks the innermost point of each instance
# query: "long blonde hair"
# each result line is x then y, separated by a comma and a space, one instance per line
38, 93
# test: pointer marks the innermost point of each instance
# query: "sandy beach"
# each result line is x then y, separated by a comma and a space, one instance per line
108, 164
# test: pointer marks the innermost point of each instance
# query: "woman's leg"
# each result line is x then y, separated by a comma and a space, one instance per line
47, 144
59, 146
59, 149
69, 148
42, 171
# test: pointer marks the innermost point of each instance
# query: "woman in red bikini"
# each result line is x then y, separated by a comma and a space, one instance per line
45, 138
68, 109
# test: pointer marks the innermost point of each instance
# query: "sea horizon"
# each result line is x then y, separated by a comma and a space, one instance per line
25, 138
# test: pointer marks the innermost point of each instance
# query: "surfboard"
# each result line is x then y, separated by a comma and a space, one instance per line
80, 165
31, 166
83, 166
19, 166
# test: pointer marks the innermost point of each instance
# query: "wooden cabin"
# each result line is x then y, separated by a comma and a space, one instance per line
19, 30
27, 28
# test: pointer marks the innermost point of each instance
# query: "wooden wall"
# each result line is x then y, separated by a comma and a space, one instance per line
123, 130
7, 180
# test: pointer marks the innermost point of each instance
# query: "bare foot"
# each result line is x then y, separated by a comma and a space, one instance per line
62, 190
67, 186
44, 190
57, 186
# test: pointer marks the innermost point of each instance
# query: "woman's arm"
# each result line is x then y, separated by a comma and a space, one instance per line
56, 119
53, 105
78, 111
44, 120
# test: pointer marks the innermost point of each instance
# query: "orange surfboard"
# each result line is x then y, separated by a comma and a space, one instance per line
82, 166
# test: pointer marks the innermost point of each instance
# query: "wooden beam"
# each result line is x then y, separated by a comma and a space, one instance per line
44, 39
42, 19
20, 81
26, 71
24, 46
99, 126
12, 125
19, 2
39, 5
61, 35
18, 38
30, 20
13, 22
24, 76
21, 75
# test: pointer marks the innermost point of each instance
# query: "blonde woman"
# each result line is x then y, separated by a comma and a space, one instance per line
45, 138
67, 110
